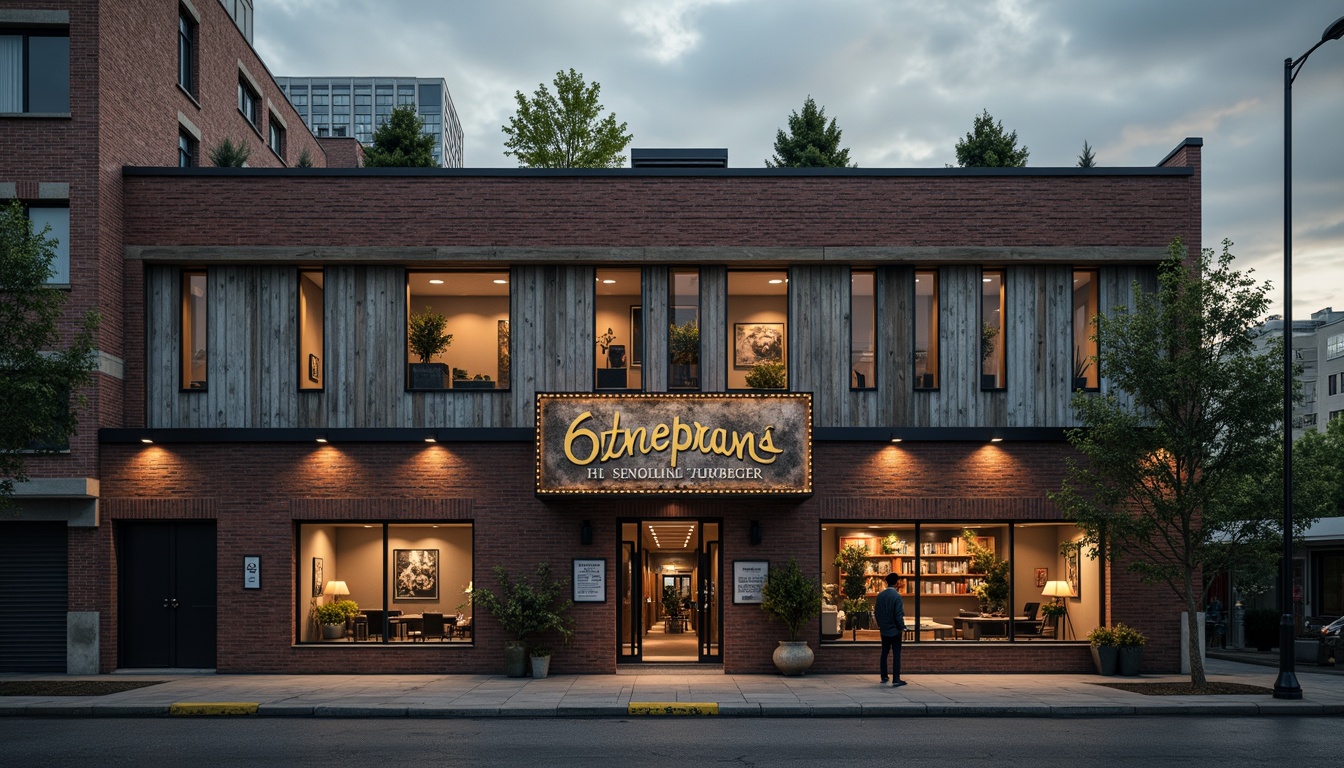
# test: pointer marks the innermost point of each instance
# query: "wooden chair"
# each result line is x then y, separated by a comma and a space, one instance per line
431, 625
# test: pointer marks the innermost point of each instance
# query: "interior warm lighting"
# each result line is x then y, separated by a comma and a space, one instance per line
336, 588
896, 439
776, 281
322, 440
431, 440
1057, 589
608, 282
146, 440
500, 282
996, 439
436, 281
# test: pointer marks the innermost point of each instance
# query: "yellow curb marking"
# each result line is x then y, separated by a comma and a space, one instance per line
672, 708
214, 708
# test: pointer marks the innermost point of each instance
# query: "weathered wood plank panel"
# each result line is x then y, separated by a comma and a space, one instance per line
713, 325
655, 293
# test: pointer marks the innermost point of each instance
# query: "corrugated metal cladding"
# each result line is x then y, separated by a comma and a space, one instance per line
32, 597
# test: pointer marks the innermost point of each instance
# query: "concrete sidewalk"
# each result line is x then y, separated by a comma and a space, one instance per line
623, 695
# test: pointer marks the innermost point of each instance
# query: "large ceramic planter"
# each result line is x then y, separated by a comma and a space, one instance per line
541, 666
793, 657
1129, 658
515, 658
333, 631
1106, 658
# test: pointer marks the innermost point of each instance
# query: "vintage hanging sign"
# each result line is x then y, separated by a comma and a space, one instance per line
744, 444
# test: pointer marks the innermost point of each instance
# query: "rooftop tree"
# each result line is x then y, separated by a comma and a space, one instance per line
810, 142
563, 129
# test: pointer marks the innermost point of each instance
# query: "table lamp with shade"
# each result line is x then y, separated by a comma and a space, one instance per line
1055, 590
337, 589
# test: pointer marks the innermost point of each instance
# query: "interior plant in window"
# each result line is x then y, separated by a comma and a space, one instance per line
768, 376
426, 333
993, 589
853, 563
683, 349
1081, 363
795, 600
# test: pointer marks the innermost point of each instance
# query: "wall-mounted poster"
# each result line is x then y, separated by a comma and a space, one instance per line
1042, 576
755, 343
590, 580
749, 581
319, 577
415, 574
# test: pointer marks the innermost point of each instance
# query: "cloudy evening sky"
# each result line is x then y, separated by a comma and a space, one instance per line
904, 81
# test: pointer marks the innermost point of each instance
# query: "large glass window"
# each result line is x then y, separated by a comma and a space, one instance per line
58, 219
758, 313
34, 72
312, 330
926, 329
186, 51
972, 581
276, 137
404, 582
618, 327
1085, 374
862, 330
683, 342
458, 330
248, 102
194, 328
993, 357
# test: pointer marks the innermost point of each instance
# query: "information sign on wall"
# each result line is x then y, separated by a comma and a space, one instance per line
743, 444
749, 581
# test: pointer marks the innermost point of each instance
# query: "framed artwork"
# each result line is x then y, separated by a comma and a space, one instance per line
1072, 570
314, 368
319, 576
1042, 576
415, 574
755, 343
636, 336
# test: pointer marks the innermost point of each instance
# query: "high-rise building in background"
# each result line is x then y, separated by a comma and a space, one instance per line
357, 106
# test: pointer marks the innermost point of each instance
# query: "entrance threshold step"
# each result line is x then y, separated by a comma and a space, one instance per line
673, 668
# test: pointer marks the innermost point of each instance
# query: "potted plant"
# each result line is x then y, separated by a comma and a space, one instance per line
611, 376
1080, 365
853, 563
672, 609
683, 350
333, 617
1129, 642
993, 589
794, 599
479, 381
1051, 614
768, 376
426, 333
524, 610
1105, 651
987, 335
1262, 628
541, 661
893, 545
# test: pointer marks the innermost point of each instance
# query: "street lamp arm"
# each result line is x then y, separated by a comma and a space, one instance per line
1333, 32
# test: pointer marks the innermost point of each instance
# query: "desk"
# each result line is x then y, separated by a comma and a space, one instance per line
929, 630
982, 627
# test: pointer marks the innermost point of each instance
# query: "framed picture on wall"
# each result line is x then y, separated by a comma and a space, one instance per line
1042, 576
415, 574
319, 576
636, 336
755, 343
314, 368
1072, 570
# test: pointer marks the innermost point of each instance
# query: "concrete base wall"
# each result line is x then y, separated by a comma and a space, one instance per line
81, 644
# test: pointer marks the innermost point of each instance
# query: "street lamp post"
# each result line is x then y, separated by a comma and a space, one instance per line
1286, 687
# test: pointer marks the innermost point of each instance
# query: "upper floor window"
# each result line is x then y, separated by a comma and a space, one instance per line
862, 329
34, 72
276, 136
187, 150
1334, 346
993, 360
1085, 374
195, 345
458, 330
683, 333
926, 329
312, 326
758, 311
248, 102
241, 13
618, 328
58, 219
186, 51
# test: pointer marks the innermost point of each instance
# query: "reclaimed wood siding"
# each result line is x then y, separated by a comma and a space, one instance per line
714, 350
656, 323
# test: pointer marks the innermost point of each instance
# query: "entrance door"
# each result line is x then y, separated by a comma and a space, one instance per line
680, 554
167, 594
630, 589
710, 618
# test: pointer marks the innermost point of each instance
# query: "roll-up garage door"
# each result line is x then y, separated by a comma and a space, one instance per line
32, 597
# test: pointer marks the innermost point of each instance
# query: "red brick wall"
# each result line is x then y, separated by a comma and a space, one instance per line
258, 492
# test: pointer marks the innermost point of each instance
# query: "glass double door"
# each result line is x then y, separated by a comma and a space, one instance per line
668, 581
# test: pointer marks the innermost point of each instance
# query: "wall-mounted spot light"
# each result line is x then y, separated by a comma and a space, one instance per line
322, 439
897, 439
146, 440
586, 533
431, 439
755, 532
436, 281
996, 439
500, 282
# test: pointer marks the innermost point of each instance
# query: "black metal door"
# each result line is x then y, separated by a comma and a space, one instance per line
167, 588
629, 590
710, 620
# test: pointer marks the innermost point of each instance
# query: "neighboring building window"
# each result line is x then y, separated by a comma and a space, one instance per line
312, 330
426, 566
472, 308
1334, 390
187, 150
618, 328
993, 360
248, 102
758, 313
276, 137
58, 219
683, 342
186, 51
195, 321
1085, 308
926, 329
937, 574
1334, 346
34, 72
862, 329
1335, 415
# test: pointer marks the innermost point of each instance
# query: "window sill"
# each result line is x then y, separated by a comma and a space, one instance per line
254, 127
190, 96
38, 115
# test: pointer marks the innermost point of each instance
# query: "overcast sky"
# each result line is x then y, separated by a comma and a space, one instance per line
904, 81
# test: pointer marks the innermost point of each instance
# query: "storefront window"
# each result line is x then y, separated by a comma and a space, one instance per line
618, 328
393, 582
683, 339
458, 330
968, 581
1085, 374
926, 330
311, 330
993, 360
758, 312
194, 329
862, 330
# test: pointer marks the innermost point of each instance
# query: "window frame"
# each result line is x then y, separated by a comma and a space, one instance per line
729, 334
275, 135
249, 103
671, 320
934, 354
184, 290
501, 385
26, 35
877, 355
61, 262
304, 365
188, 57
630, 364
188, 149
1001, 376
1091, 347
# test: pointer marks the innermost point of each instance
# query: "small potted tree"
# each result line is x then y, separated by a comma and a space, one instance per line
794, 599
426, 333
853, 563
987, 335
993, 589
683, 350
525, 610
672, 609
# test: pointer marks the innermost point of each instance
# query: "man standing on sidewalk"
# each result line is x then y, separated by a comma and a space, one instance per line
891, 624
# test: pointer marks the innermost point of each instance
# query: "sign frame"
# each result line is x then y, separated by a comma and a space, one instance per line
744, 593
251, 571
594, 587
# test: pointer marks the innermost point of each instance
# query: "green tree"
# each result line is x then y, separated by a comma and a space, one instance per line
987, 146
37, 374
401, 142
1165, 486
562, 129
810, 142
226, 154
1087, 159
